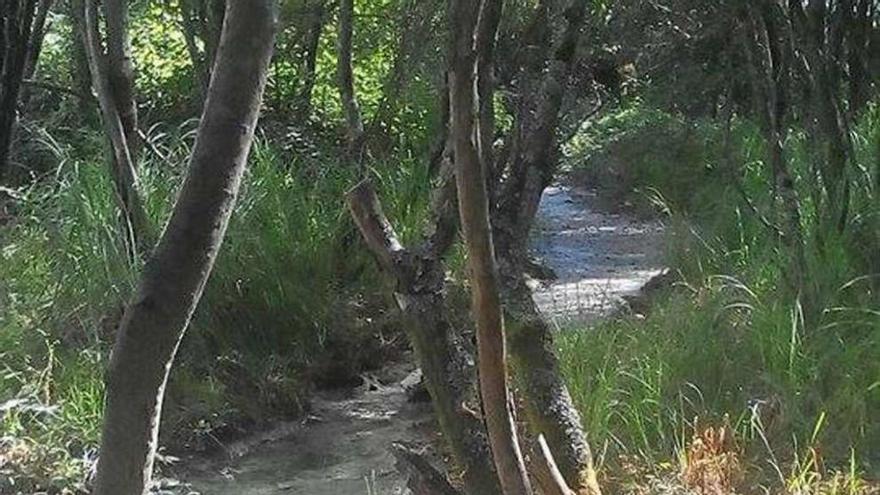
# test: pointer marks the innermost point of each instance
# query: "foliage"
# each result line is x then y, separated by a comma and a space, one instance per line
731, 339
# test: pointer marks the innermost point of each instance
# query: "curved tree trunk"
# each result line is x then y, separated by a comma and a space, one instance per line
420, 294
175, 276
473, 206
139, 237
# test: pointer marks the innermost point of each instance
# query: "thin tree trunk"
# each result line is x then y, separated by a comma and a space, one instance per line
859, 74
548, 405
120, 69
345, 79
474, 212
122, 168
175, 276
487, 29
79, 66
17, 20
189, 23
769, 76
36, 46
317, 17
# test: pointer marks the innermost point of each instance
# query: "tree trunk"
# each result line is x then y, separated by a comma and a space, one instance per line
120, 70
36, 46
317, 17
769, 76
487, 29
17, 20
175, 276
137, 225
420, 294
859, 74
345, 78
79, 66
473, 206
548, 405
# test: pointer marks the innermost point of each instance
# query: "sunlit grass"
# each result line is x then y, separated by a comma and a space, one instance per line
797, 375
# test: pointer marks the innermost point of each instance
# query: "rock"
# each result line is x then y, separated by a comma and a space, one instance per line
414, 386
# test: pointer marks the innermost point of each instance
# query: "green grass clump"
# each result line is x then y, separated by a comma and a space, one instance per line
286, 299
792, 372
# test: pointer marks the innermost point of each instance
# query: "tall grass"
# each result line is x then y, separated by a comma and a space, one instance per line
794, 373
285, 297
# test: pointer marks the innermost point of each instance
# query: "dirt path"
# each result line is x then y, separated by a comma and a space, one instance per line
342, 447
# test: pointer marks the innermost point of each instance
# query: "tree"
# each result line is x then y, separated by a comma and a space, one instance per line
120, 69
175, 276
345, 76
201, 21
473, 206
529, 169
118, 118
16, 34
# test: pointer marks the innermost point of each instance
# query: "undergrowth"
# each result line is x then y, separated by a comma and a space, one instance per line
274, 317
794, 377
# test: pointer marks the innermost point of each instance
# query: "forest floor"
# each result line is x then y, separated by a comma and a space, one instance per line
598, 256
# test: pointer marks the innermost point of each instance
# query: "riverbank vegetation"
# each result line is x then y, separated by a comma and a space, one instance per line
750, 129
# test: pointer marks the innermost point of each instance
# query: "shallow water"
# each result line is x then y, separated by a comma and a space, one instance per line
598, 257
342, 447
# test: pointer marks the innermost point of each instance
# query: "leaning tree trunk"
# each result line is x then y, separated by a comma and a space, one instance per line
175, 276
137, 225
420, 293
548, 405
474, 212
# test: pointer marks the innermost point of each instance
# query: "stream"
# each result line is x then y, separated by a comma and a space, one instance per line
341, 447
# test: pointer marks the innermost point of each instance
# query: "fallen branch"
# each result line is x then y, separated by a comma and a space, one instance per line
557, 484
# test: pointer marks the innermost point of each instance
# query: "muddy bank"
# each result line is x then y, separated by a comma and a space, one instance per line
340, 448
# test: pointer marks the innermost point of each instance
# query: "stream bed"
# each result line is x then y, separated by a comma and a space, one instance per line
341, 447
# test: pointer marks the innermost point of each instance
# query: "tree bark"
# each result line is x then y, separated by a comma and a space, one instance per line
36, 46
17, 20
474, 212
175, 276
487, 29
79, 66
548, 405
859, 72
120, 69
769, 76
137, 224
421, 296
345, 79
317, 18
